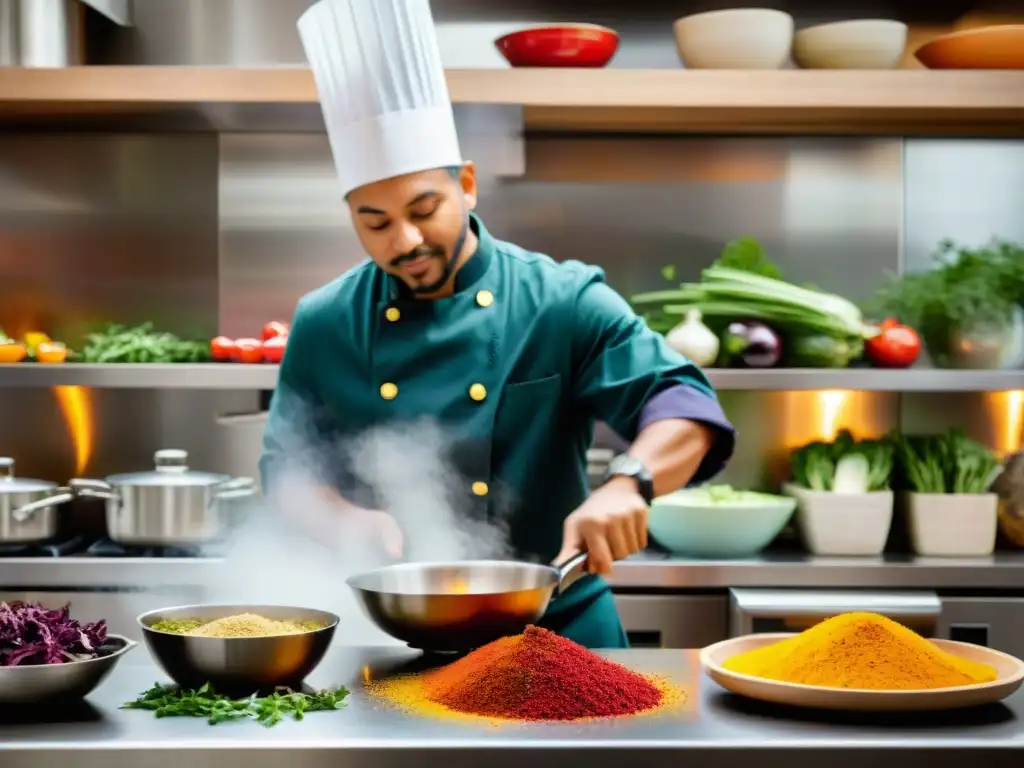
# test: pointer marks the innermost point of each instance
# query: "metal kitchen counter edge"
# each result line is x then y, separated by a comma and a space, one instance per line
712, 728
648, 571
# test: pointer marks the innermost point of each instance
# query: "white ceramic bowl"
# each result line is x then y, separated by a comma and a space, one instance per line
741, 38
856, 44
841, 524
687, 523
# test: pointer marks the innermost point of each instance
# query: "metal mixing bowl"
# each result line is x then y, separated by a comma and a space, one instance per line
60, 683
238, 663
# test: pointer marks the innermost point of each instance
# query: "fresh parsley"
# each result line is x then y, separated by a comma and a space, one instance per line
165, 701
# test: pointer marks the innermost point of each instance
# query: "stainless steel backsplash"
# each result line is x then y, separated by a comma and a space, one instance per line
201, 233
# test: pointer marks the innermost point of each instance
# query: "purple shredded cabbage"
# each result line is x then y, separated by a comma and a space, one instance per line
33, 634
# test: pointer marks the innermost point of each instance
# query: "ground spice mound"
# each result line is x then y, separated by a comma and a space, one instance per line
539, 676
860, 650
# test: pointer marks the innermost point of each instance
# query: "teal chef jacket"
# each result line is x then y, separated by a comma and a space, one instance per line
516, 366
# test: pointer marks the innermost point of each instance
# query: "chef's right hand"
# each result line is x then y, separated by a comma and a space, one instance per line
381, 527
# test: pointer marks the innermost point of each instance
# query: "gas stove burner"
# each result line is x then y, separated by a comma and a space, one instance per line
108, 548
61, 548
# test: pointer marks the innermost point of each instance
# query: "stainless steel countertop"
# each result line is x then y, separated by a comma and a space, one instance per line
712, 728
652, 571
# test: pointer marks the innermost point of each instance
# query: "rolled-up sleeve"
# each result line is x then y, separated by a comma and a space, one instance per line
627, 376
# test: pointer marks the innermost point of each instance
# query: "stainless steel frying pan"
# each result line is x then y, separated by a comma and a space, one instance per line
451, 607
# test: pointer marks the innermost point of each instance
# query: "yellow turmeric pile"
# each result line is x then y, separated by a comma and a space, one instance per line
860, 650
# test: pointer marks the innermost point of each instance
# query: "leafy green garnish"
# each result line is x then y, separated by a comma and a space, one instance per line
205, 702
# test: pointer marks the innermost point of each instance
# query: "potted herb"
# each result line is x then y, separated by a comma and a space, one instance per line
967, 308
844, 503
950, 508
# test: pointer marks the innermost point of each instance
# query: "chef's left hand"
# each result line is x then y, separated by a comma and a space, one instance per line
610, 525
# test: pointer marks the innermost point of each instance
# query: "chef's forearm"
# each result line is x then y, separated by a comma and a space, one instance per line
672, 450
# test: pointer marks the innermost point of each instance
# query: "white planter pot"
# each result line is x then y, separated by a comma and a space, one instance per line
842, 524
952, 524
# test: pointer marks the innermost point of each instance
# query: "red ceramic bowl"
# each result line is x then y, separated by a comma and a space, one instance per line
563, 45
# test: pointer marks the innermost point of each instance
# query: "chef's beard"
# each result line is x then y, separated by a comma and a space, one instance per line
438, 253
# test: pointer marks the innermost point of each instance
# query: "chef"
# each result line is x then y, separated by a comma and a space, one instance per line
515, 355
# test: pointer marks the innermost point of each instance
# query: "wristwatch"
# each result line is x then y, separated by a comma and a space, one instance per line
625, 465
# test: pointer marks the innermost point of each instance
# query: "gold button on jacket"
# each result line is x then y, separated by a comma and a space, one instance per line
392, 314
480, 488
484, 298
478, 392
388, 390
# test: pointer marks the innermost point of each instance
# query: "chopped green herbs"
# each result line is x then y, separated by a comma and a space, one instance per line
205, 702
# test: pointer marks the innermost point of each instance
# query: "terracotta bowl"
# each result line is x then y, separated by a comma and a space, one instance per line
999, 47
561, 45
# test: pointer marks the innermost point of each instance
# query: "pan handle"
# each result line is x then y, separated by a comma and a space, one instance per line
570, 570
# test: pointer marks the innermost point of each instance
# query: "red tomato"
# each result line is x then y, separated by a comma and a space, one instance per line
897, 346
273, 349
249, 351
222, 348
274, 329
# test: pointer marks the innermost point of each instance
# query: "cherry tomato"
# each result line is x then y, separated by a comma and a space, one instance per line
273, 349
897, 346
274, 329
249, 351
222, 349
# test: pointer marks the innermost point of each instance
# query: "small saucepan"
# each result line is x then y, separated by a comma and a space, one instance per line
170, 505
455, 607
28, 508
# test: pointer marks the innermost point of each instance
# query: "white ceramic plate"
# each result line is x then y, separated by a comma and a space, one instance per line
1009, 670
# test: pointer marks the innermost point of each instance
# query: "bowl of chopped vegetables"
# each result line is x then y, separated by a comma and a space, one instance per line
718, 521
238, 647
48, 657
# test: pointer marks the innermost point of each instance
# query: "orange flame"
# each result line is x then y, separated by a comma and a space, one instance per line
76, 408
367, 676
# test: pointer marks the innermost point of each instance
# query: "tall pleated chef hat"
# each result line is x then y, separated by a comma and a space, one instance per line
382, 88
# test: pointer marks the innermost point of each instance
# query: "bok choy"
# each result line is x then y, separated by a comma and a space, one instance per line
845, 465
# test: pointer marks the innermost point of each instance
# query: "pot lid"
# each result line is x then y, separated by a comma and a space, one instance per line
9, 483
170, 468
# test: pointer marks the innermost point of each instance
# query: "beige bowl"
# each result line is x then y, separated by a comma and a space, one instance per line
741, 38
857, 44
1009, 676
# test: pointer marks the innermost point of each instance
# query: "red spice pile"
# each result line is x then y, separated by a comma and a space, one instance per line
539, 675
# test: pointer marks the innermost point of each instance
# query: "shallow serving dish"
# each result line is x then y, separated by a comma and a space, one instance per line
1009, 670
560, 45
995, 47
234, 663
59, 683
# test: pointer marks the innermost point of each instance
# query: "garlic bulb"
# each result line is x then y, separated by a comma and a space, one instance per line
694, 339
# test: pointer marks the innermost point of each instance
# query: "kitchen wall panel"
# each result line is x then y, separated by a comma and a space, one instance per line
105, 227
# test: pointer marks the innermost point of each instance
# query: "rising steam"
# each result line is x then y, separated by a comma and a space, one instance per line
298, 546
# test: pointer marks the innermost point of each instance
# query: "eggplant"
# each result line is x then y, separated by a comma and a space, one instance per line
753, 344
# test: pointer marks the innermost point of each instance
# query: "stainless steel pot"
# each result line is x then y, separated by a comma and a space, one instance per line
451, 607
23, 519
170, 505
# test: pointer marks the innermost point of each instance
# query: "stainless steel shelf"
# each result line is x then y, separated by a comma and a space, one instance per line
236, 376
129, 376
869, 379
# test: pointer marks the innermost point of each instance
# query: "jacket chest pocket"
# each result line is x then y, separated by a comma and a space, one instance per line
528, 413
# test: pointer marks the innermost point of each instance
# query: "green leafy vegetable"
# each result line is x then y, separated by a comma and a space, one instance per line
949, 463
861, 466
746, 254
141, 344
205, 702
965, 290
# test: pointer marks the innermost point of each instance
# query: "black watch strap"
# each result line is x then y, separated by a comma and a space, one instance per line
625, 465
